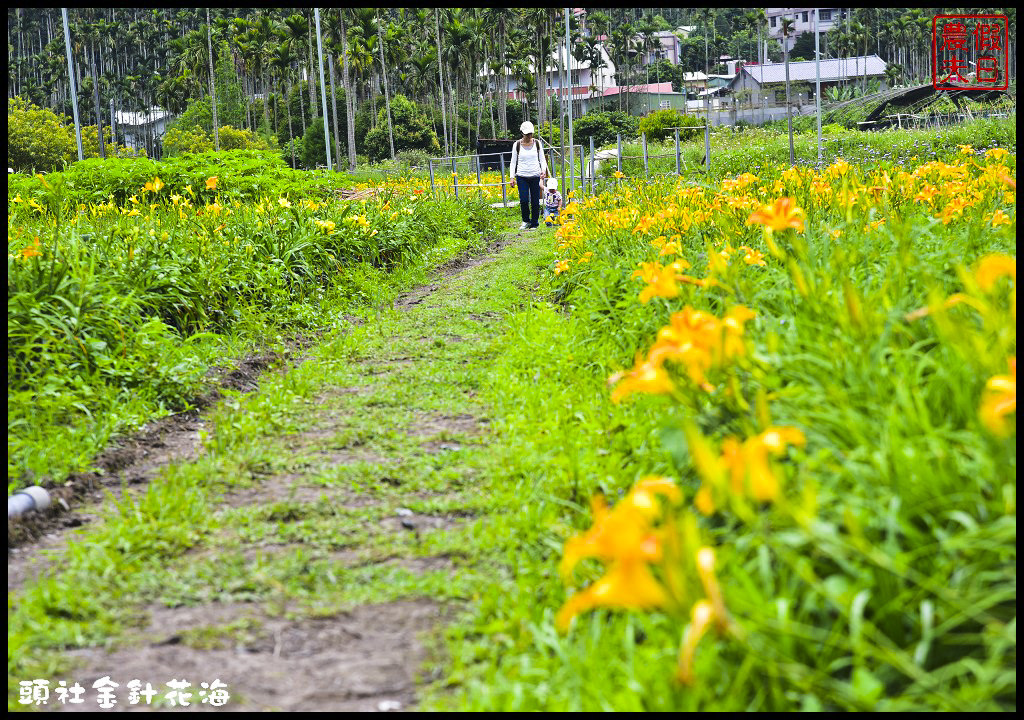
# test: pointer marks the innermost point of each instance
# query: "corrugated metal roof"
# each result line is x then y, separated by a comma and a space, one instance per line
803, 70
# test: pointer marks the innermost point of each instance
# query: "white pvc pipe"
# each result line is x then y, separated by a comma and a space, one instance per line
23, 501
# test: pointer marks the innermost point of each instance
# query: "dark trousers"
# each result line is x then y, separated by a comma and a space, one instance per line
529, 199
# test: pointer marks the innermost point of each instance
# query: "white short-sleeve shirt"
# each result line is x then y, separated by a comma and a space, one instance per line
528, 162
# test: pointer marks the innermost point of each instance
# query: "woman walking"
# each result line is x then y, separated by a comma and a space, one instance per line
529, 168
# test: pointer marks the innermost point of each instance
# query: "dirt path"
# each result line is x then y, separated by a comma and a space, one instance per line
363, 505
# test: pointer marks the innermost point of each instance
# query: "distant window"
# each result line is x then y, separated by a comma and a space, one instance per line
825, 15
805, 17
774, 19
665, 104
780, 96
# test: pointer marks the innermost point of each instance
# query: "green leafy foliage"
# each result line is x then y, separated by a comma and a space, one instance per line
37, 138
91, 144
243, 175
603, 127
659, 125
411, 131
314, 150
181, 141
186, 140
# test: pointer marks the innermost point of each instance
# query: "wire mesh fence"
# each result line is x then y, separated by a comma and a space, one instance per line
581, 171
487, 175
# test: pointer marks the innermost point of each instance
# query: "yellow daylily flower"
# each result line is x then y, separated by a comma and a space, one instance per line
781, 215
646, 376
999, 400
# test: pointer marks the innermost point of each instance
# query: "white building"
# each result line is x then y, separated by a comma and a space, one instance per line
666, 47
141, 128
804, 21
586, 82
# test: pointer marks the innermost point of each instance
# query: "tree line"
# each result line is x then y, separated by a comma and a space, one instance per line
454, 64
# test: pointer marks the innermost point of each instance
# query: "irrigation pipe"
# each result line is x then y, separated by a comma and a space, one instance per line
23, 501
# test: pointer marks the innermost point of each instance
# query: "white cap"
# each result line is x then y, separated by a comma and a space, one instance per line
526, 128
552, 184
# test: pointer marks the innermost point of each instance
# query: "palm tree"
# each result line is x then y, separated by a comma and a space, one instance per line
262, 32
350, 100
281, 62
440, 78
334, 42
297, 28
421, 65
754, 21
213, 88
500, 17
384, 36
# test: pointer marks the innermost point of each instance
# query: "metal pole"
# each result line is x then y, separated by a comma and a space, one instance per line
571, 156
583, 182
113, 126
678, 169
561, 118
504, 187
643, 141
479, 180
817, 81
430, 169
618, 158
71, 79
323, 88
455, 178
593, 179
707, 145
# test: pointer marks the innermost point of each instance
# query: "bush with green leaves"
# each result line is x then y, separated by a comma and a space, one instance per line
659, 125
604, 127
242, 175
313, 148
411, 131
37, 138
91, 144
187, 140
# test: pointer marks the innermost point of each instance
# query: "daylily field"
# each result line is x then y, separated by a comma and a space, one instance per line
752, 436
830, 357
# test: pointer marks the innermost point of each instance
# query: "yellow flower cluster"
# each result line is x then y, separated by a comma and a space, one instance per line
697, 341
649, 561
999, 400
743, 468
951, 192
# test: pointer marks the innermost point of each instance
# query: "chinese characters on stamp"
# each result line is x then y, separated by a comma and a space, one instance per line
970, 51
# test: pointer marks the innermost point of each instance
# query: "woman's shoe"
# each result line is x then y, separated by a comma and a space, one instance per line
525, 226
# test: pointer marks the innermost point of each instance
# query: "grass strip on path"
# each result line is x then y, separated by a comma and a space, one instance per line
351, 492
